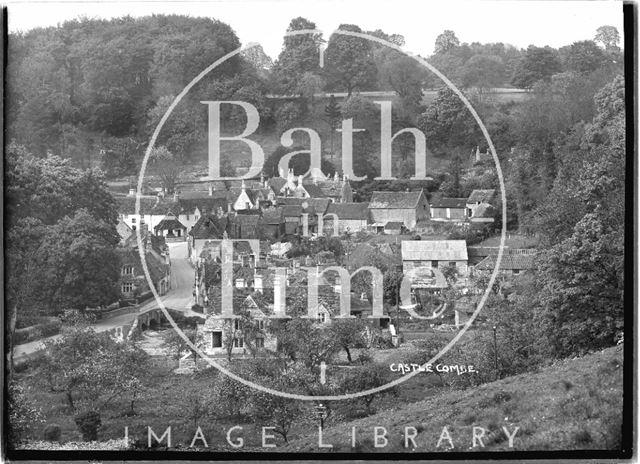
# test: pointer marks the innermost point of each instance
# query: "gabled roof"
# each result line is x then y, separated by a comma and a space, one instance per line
314, 191
446, 202
209, 226
479, 196
349, 211
170, 223
276, 183
319, 205
394, 200
434, 250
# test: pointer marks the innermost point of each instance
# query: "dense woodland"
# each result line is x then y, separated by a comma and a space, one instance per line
84, 97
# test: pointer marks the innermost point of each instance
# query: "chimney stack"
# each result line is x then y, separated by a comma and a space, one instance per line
279, 293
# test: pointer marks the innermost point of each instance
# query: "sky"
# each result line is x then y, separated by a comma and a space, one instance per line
520, 23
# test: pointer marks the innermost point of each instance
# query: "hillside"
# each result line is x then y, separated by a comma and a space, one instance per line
572, 404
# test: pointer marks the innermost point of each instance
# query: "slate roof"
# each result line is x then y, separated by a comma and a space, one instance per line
292, 211
445, 202
479, 196
511, 260
350, 211
394, 200
434, 250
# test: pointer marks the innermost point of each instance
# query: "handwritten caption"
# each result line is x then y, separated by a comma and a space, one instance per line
439, 368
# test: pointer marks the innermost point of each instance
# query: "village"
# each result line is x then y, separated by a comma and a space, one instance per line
293, 223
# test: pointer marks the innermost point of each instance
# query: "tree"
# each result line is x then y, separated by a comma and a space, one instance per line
538, 63
349, 63
300, 56
91, 369
582, 270
50, 188
585, 57
447, 122
178, 345
609, 37
166, 166
22, 414
119, 156
79, 266
332, 118
483, 71
402, 74
300, 340
445, 42
348, 334
362, 378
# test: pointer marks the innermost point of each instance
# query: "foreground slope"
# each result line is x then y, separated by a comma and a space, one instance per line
573, 404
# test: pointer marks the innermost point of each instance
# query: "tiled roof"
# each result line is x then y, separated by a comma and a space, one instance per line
479, 196
394, 225
246, 219
484, 210
510, 261
394, 200
350, 211
446, 202
276, 183
148, 204
319, 205
209, 227
292, 210
272, 216
434, 250
314, 191
169, 223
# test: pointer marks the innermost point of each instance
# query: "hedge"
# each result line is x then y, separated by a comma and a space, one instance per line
50, 326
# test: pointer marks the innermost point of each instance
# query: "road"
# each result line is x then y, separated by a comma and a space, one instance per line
179, 297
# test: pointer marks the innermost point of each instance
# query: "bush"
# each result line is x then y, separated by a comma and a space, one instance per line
52, 432
88, 423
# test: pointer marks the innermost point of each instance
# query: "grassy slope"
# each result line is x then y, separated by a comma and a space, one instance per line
573, 404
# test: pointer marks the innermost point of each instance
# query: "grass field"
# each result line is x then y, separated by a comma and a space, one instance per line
573, 404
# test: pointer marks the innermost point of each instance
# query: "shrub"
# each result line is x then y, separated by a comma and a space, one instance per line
52, 432
197, 308
88, 423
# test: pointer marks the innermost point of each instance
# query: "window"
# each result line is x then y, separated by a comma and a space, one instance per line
133, 227
322, 317
261, 325
127, 287
216, 339
187, 217
452, 264
238, 343
259, 342
434, 264
195, 218
516, 271
127, 270
133, 220
236, 324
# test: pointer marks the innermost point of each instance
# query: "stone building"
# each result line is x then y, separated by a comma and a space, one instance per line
406, 207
